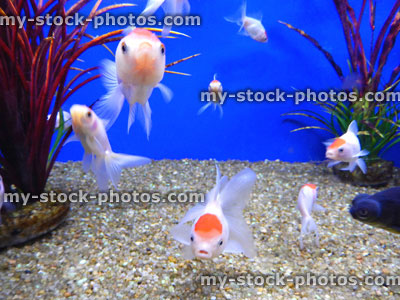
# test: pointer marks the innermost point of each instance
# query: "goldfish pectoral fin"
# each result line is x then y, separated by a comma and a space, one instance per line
317, 207
361, 153
181, 233
240, 236
87, 161
237, 192
203, 108
72, 138
362, 165
308, 225
353, 127
187, 253
351, 167
165, 91
152, 6
333, 163
221, 111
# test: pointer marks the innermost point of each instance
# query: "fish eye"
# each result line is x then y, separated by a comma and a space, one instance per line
89, 114
341, 150
192, 238
123, 47
221, 242
162, 49
363, 213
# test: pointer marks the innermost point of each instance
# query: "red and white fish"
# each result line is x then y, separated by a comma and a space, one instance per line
1, 195
170, 7
347, 148
252, 26
218, 224
139, 67
215, 91
99, 157
306, 203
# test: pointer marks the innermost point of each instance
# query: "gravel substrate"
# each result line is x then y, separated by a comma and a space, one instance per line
124, 251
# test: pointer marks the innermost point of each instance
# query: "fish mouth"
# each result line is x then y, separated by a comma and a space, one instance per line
329, 154
203, 254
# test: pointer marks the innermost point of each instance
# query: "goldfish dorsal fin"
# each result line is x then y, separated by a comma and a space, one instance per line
353, 128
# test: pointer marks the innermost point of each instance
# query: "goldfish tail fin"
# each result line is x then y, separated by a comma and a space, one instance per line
240, 237
238, 16
203, 108
151, 7
353, 127
115, 162
236, 192
109, 106
362, 165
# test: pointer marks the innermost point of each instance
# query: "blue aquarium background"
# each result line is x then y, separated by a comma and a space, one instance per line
247, 131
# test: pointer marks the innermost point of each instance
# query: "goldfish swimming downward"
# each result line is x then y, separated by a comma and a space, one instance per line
218, 224
215, 91
252, 26
170, 7
99, 157
139, 67
346, 148
306, 203
381, 209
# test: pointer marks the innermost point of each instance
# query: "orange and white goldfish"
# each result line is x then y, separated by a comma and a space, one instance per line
306, 203
66, 119
139, 67
252, 26
99, 157
346, 148
170, 7
215, 91
1, 195
218, 224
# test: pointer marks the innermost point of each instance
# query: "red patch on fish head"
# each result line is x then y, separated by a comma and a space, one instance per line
337, 143
310, 185
208, 226
144, 33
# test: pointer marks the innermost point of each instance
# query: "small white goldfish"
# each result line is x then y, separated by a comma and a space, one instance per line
139, 67
170, 7
105, 164
252, 26
306, 203
218, 223
215, 91
1, 195
346, 148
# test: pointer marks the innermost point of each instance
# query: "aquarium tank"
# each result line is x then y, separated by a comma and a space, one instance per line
185, 149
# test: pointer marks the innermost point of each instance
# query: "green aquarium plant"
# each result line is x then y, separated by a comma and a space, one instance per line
378, 121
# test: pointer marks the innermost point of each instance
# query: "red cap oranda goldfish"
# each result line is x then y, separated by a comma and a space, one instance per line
252, 26
346, 148
170, 7
139, 67
215, 91
99, 157
306, 203
218, 224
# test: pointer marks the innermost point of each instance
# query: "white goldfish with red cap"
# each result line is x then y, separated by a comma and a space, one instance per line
252, 26
99, 157
347, 148
218, 224
138, 69
215, 92
306, 203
